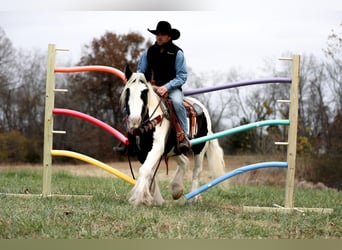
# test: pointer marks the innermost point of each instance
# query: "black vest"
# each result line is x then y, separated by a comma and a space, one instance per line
161, 63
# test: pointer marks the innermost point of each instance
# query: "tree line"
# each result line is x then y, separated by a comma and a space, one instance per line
22, 97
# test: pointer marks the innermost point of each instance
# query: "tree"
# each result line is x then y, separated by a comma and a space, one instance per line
22, 86
222, 105
102, 90
30, 93
97, 94
314, 103
333, 54
244, 142
7, 58
327, 167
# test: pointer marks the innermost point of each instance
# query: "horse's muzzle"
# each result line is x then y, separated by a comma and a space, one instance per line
134, 122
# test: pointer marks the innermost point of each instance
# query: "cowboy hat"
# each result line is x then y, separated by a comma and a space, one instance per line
164, 27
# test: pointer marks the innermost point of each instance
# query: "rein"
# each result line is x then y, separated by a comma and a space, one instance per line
146, 126
149, 124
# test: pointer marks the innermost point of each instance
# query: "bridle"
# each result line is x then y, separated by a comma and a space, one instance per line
148, 124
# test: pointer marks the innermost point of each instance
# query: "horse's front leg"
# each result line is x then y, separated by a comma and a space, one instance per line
141, 192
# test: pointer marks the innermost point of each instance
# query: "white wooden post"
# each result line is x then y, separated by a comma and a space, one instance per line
48, 122
292, 132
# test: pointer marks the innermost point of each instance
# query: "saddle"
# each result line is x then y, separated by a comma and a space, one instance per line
193, 110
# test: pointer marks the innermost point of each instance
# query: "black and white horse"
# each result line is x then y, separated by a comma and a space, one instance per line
151, 137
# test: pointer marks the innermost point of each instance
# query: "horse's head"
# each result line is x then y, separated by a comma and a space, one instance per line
135, 98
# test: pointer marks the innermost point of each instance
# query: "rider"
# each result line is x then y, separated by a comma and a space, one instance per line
164, 66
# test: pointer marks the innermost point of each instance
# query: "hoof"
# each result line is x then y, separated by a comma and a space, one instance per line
140, 198
177, 191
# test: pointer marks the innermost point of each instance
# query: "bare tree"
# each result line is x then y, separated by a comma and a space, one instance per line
315, 102
333, 54
97, 94
7, 60
30, 88
102, 90
22, 86
222, 105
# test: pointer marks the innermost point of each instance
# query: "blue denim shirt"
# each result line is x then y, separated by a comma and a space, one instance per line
180, 66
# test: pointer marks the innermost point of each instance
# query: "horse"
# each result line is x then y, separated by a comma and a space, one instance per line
151, 137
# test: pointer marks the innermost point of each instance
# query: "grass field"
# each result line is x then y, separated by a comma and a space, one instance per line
107, 214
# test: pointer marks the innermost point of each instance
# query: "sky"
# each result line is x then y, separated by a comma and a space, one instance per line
215, 35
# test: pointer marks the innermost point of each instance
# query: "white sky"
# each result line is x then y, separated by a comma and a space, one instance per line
215, 35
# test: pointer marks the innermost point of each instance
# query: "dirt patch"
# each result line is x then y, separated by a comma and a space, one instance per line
258, 177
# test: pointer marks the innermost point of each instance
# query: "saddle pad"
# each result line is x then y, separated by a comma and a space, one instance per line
188, 104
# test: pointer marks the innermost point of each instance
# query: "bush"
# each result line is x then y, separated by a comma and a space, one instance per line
15, 147
328, 170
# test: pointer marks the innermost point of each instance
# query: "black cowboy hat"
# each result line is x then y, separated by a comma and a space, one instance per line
164, 27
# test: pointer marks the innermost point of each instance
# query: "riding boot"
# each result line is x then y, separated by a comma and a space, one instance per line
184, 145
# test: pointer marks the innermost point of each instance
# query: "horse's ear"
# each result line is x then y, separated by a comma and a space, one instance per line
128, 72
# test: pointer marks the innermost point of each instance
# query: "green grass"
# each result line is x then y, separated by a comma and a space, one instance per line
108, 215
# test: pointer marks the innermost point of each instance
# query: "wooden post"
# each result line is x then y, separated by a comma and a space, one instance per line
48, 120
292, 134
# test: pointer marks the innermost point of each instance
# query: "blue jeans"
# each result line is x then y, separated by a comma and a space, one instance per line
176, 95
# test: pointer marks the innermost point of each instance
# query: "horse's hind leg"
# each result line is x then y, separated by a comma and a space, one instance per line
176, 185
198, 158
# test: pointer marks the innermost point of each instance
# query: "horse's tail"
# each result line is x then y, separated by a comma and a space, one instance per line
216, 161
